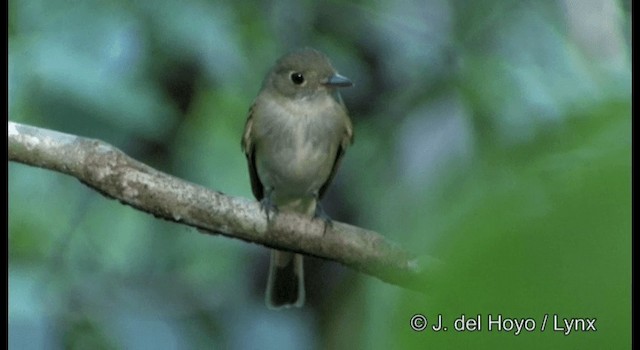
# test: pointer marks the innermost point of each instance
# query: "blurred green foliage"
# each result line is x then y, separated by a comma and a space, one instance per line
492, 136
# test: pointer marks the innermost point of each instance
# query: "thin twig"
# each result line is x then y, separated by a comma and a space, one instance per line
112, 173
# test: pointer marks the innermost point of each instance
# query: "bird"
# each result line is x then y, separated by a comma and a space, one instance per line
296, 134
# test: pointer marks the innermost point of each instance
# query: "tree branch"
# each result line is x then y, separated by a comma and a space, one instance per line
114, 174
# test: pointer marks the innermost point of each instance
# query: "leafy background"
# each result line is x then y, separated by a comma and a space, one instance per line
493, 136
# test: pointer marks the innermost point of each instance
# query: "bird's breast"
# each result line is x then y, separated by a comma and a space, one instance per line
296, 147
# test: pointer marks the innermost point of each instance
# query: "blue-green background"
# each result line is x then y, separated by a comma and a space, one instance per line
493, 136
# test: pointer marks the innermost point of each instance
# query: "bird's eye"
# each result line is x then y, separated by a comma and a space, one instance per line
297, 78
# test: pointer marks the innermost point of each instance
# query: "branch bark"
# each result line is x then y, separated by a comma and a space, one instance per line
112, 173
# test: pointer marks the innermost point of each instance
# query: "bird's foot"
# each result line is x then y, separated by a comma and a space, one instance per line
322, 215
269, 208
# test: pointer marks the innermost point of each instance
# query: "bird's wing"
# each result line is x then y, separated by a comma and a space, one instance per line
248, 148
345, 142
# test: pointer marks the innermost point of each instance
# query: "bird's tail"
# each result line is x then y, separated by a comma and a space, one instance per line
285, 286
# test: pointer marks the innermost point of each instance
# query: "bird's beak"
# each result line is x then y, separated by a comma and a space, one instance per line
337, 80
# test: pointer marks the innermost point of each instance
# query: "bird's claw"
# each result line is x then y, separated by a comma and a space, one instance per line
269, 208
322, 215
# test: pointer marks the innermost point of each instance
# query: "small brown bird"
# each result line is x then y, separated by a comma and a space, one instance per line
296, 134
